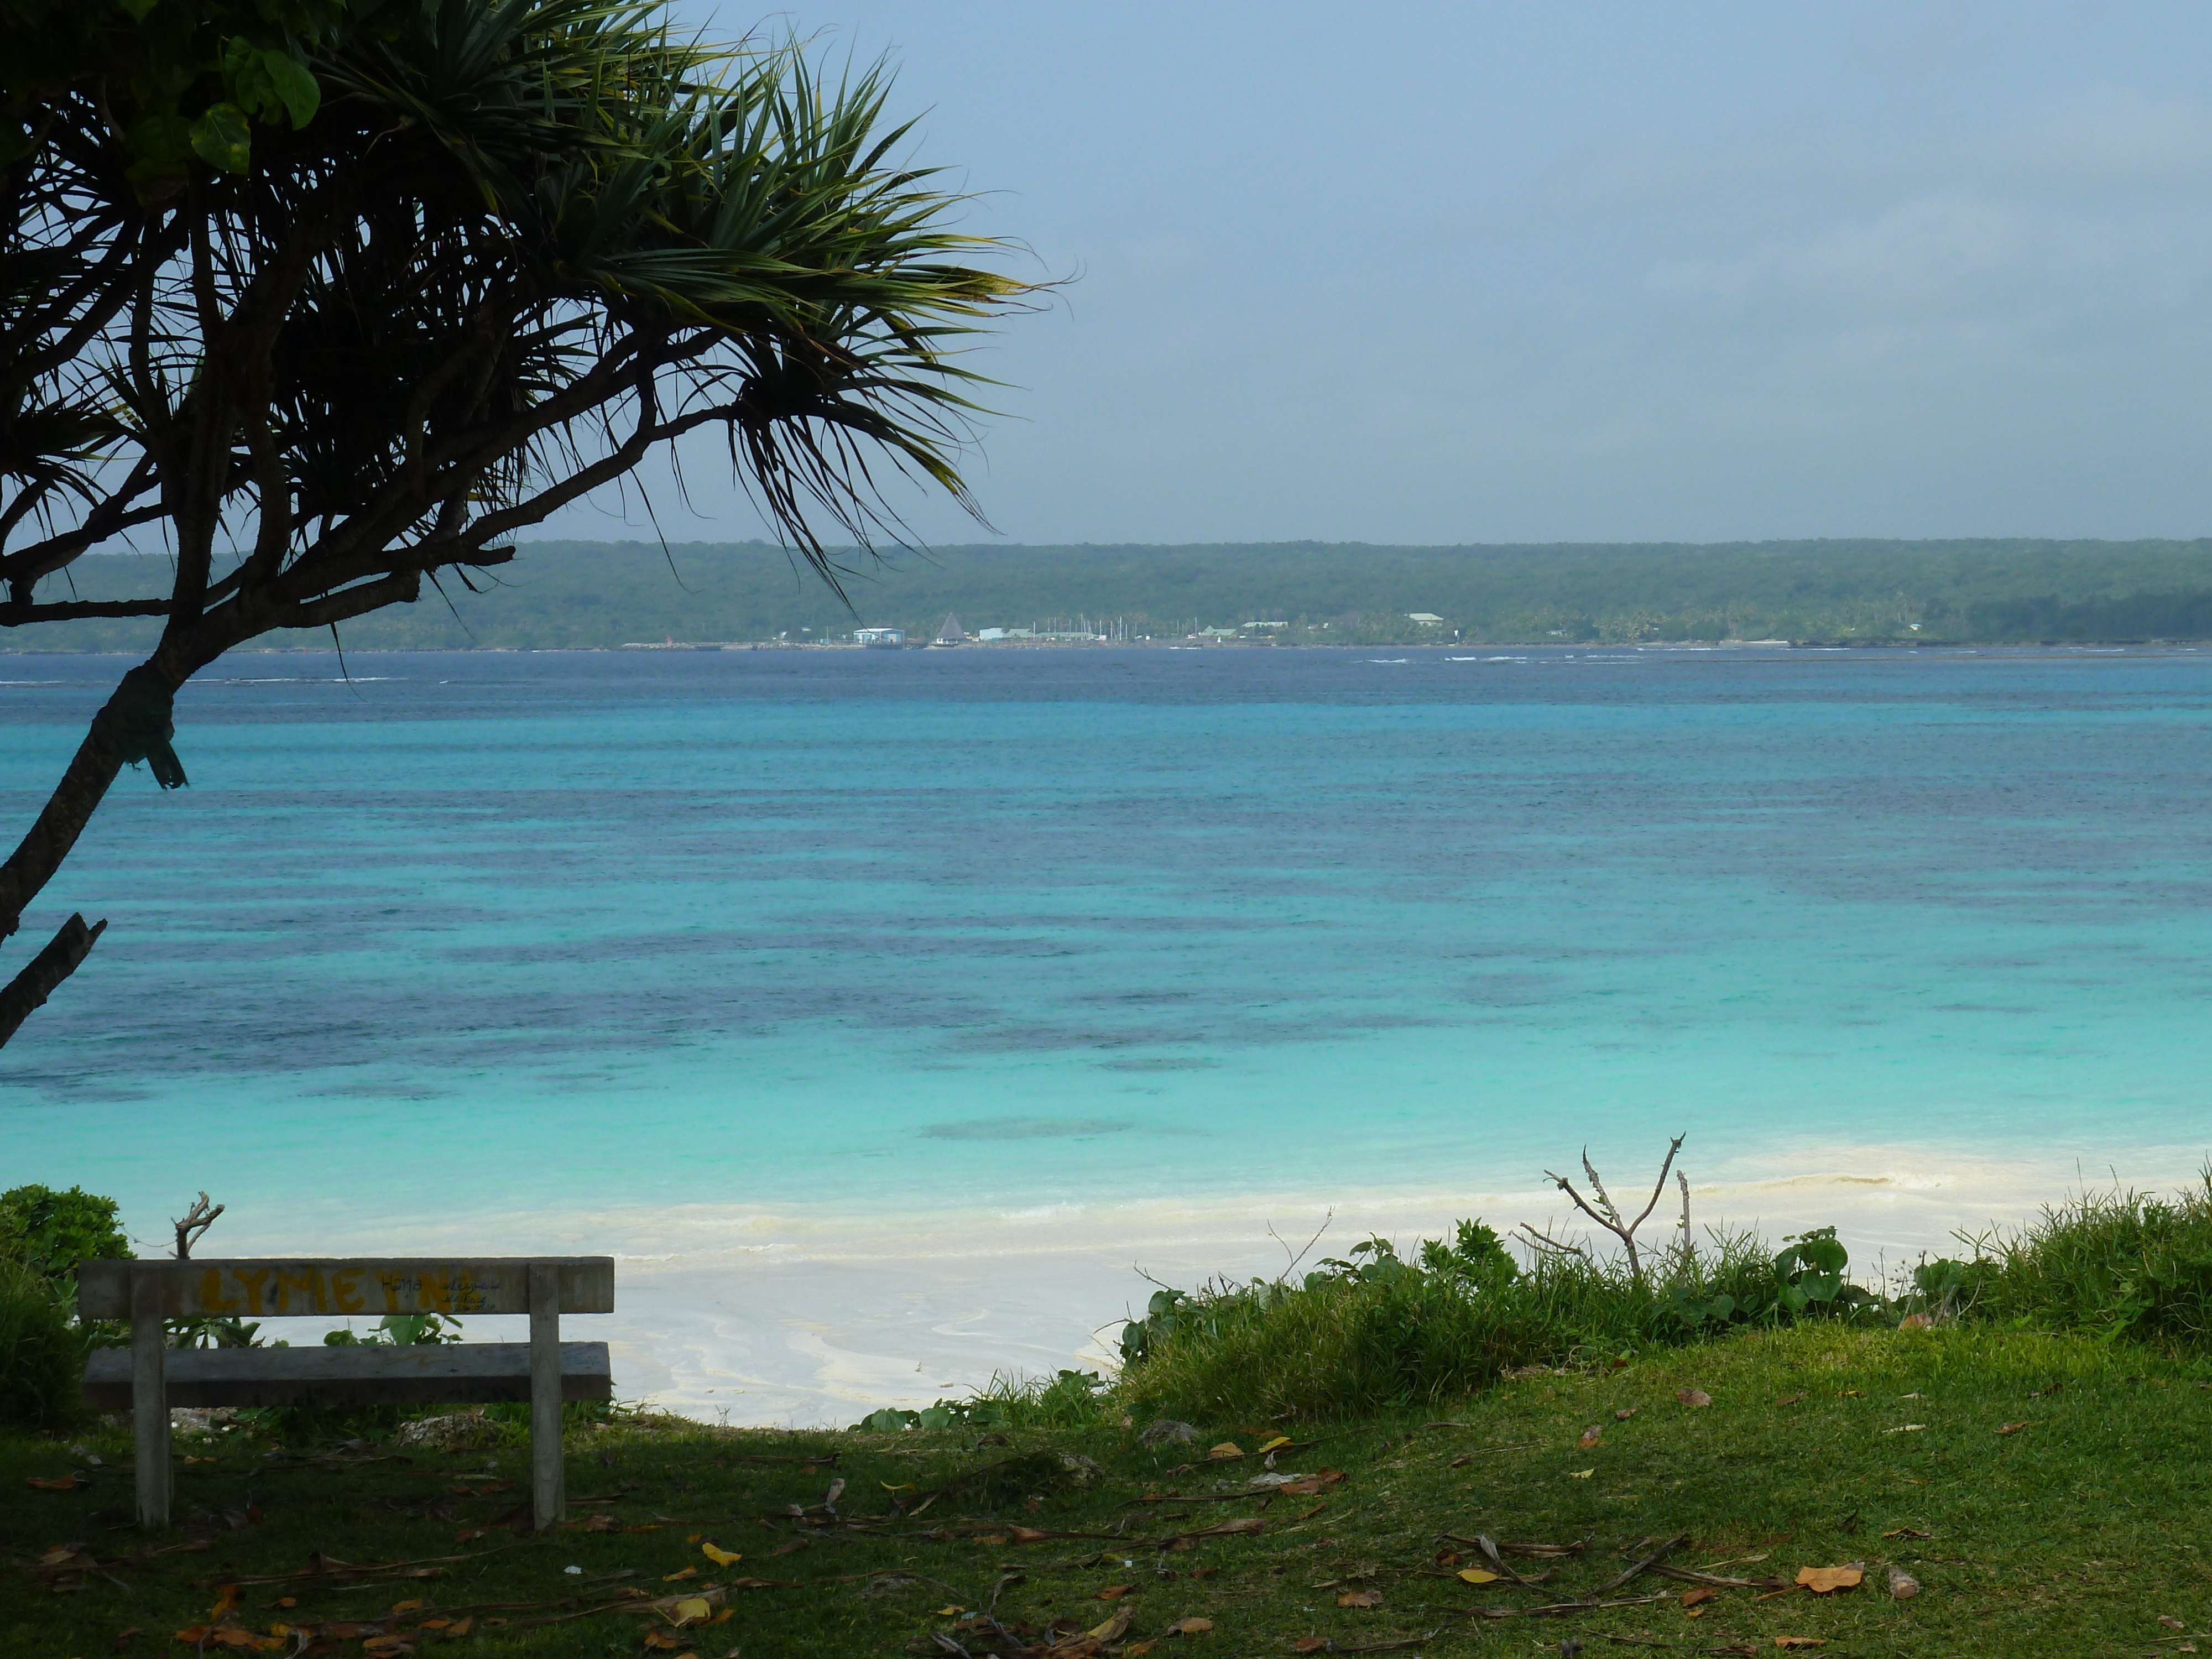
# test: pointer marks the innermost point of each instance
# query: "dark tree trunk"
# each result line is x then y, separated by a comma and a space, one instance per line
133, 726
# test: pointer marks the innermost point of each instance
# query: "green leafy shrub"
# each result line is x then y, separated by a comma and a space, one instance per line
1372, 1330
41, 1348
51, 1232
44, 1236
1806, 1279
399, 1331
1068, 1399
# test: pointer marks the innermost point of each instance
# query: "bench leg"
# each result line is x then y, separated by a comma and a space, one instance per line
548, 1471
149, 1401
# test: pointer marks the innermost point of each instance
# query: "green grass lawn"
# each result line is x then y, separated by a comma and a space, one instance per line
2082, 1534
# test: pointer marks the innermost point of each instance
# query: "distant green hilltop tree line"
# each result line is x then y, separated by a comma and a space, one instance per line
579, 594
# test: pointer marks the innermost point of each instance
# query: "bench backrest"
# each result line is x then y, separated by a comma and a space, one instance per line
338, 1286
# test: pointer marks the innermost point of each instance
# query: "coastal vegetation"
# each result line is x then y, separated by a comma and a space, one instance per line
331, 298
582, 595
1456, 1448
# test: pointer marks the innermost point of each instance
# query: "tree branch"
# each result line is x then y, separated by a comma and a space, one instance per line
1606, 1216
114, 514
14, 615
28, 992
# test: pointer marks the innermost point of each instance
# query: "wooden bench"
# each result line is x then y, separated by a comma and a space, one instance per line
149, 1377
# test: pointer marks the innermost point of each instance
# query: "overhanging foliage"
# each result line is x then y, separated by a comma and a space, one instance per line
333, 297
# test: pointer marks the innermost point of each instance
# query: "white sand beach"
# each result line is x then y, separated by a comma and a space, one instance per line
801, 1319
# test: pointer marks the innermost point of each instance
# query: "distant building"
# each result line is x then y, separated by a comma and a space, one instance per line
881, 638
1215, 634
1266, 625
1427, 619
950, 634
990, 633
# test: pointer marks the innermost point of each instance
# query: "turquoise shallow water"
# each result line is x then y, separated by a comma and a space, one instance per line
956, 929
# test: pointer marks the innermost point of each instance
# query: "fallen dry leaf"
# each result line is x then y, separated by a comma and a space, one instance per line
1309, 1644
682, 1572
1907, 1428
1703, 1593
1791, 1399
387, 1647
231, 1636
1114, 1592
1477, 1576
1113, 1630
721, 1558
1591, 1435
1906, 1532
691, 1610
1903, 1586
1822, 1581
1312, 1484
1360, 1599
59, 1483
2014, 1428
1625, 1412
1801, 1641
1139, 1649
1459, 1462
661, 1641
2171, 1622
1190, 1628
409, 1607
468, 1534
1695, 1399
1916, 1322
1580, 1474
1224, 1451
1262, 1450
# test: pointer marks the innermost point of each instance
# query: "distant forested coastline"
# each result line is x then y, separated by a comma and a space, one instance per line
582, 595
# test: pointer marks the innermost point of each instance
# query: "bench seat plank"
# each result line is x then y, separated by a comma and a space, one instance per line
337, 1287
421, 1374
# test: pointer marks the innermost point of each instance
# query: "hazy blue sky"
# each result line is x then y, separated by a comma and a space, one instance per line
1484, 272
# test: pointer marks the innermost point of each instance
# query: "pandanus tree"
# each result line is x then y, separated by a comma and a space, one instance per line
335, 296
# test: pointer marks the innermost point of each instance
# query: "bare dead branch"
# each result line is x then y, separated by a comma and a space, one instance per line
194, 1222
1544, 1241
1606, 1216
1689, 1245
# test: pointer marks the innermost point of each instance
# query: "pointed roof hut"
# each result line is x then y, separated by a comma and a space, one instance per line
950, 633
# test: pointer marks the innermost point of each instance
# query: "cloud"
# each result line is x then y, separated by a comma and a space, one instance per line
1940, 253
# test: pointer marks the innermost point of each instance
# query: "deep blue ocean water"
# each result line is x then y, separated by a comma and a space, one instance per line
931, 929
